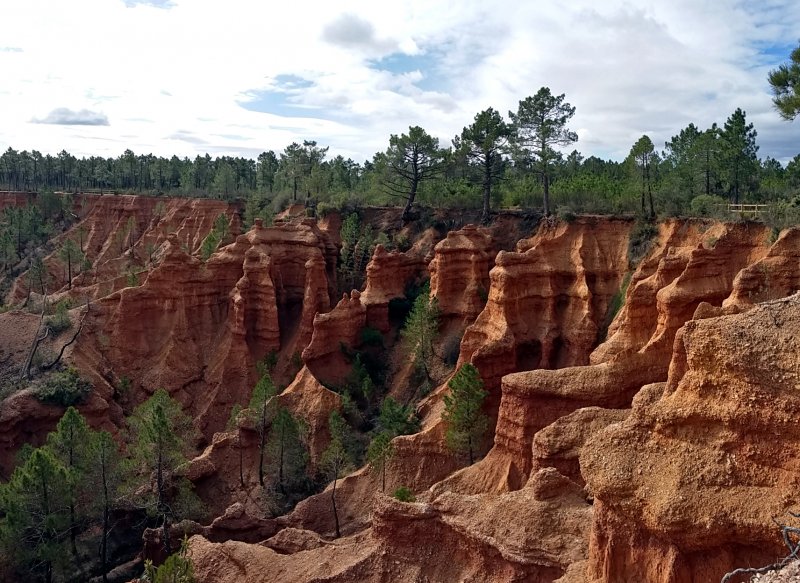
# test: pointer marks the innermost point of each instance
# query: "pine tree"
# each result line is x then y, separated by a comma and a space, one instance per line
420, 330
35, 522
159, 429
70, 444
261, 413
466, 423
379, 453
286, 448
337, 457
106, 473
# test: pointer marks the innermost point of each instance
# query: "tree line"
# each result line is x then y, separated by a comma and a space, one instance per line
523, 160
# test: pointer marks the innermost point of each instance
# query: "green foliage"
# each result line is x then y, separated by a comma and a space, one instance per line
404, 494
371, 337
159, 441
233, 419
176, 569
410, 160
614, 306
379, 453
358, 244
705, 205
34, 515
261, 413
396, 419
640, 241
483, 143
420, 329
60, 321
466, 423
63, 388
338, 458
785, 83
540, 124
287, 448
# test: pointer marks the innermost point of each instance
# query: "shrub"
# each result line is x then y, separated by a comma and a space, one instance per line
64, 389
706, 205
404, 495
60, 321
371, 337
641, 239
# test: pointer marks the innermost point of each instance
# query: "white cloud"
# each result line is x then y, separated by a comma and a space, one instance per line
171, 76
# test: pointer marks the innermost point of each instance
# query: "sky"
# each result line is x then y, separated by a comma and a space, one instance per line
186, 77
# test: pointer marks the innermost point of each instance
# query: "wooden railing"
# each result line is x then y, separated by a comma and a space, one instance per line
748, 210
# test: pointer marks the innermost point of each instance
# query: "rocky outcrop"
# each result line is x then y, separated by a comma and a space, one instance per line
460, 274
197, 328
226, 472
124, 234
388, 274
774, 276
335, 332
686, 488
559, 444
547, 301
407, 542
690, 265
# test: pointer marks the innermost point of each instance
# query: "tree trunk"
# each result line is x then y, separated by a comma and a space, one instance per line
412, 194
487, 189
69, 270
650, 194
333, 501
104, 540
546, 180
471, 458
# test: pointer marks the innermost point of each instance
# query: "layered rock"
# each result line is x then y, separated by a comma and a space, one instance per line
460, 274
691, 265
547, 301
776, 275
333, 332
388, 274
687, 487
120, 234
197, 328
408, 542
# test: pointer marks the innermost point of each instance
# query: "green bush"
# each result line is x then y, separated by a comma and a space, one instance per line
404, 495
60, 320
64, 389
706, 205
641, 239
371, 337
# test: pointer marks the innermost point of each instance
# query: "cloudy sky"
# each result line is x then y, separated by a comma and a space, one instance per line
240, 77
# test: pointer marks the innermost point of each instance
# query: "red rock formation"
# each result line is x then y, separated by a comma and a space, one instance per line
388, 274
776, 275
559, 444
547, 301
449, 539
226, 472
686, 488
120, 233
675, 279
340, 327
198, 328
460, 273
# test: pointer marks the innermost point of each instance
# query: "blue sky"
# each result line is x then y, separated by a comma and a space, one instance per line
189, 76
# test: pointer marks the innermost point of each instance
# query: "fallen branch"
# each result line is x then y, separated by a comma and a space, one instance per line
793, 546
74, 338
26, 369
